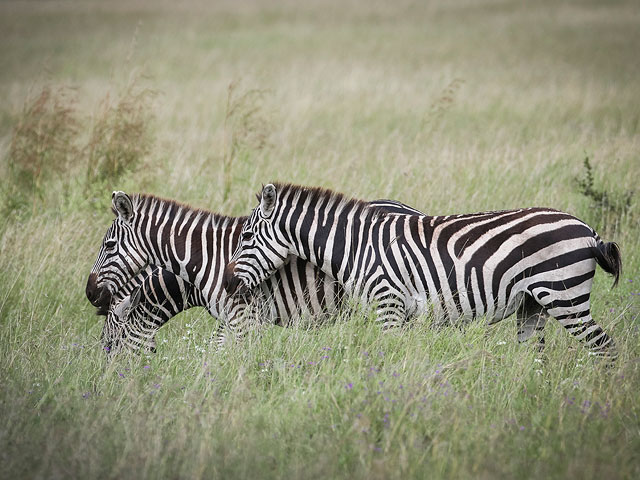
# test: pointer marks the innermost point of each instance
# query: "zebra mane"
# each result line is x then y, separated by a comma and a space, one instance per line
143, 202
301, 193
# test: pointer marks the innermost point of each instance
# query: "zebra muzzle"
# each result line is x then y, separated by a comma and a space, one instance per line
231, 282
99, 297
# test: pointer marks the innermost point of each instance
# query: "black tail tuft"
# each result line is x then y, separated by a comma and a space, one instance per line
609, 258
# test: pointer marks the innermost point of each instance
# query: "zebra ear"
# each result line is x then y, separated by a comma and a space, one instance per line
122, 205
135, 299
268, 200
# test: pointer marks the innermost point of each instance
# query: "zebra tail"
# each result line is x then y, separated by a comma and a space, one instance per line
609, 258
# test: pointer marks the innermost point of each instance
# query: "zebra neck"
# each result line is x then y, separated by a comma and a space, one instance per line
193, 244
336, 240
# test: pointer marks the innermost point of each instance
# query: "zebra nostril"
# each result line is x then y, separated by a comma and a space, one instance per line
92, 290
231, 283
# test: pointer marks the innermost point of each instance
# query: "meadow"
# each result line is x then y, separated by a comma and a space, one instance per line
451, 107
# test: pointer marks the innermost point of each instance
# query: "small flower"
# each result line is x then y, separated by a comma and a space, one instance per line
349, 386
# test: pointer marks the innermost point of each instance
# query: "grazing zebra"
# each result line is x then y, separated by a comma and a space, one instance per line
532, 261
194, 245
144, 305
156, 295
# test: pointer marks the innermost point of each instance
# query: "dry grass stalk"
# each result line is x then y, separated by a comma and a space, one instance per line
121, 134
43, 143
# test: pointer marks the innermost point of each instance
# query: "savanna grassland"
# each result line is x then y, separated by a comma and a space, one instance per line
451, 107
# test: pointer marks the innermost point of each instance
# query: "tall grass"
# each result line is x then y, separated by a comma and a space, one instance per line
359, 98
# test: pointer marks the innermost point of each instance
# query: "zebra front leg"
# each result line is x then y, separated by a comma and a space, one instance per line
390, 311
220, 336
243, 316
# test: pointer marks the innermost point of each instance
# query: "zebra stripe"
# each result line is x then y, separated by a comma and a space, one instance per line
535, 262
191, 248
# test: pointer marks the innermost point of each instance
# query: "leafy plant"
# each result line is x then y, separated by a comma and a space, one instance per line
610, 206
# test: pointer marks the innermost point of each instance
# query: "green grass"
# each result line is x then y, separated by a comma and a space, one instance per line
353, 96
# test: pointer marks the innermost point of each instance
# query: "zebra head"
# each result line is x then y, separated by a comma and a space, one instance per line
124, 327
120, 257
262, 248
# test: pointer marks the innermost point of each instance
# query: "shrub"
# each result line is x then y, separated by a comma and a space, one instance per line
121, 133
42, 146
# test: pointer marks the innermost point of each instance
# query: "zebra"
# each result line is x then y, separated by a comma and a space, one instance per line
155, 296
194, 245
144, 305
535, 262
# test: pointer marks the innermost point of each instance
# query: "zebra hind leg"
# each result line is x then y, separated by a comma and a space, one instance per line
531, 319
572, 309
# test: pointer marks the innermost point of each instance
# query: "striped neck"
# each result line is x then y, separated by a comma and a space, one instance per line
191, 243
325, 227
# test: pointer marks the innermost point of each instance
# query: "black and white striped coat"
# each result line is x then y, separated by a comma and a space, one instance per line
151, 231
536, 261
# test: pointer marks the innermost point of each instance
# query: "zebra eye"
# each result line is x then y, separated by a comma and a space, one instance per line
110, 244
246, 236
